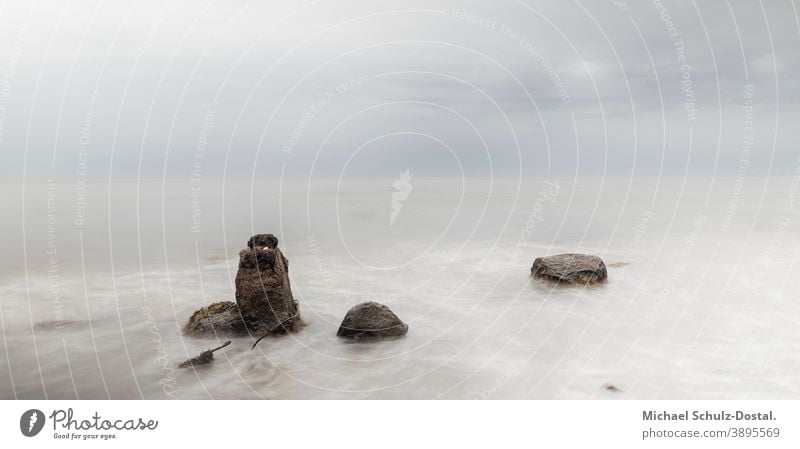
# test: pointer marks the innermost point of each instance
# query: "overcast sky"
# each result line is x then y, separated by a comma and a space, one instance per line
329, 88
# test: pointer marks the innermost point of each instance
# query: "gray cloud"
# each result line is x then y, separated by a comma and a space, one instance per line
373, 88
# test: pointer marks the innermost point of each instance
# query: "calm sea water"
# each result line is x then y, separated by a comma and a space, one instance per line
97, 278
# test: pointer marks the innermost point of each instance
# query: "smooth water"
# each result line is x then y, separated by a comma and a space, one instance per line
97, 278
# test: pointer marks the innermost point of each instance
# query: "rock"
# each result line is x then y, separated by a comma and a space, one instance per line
371, 320
61, 324
264, 300
263, 291
570, 268
266, 241
263, 241
220, 318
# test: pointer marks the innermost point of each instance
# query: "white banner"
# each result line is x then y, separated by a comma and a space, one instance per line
400, 424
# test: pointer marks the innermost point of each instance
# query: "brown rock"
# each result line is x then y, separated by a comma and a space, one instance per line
264, 300
263, 291
220, 318
371, 320
263, 241
570, 268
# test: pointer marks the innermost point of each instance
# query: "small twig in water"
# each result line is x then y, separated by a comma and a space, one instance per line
204, 357
275, 328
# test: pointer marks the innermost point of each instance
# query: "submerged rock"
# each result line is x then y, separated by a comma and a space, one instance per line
62, 324
618, 264
570, 268
264, 300
371, 320
219, 318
